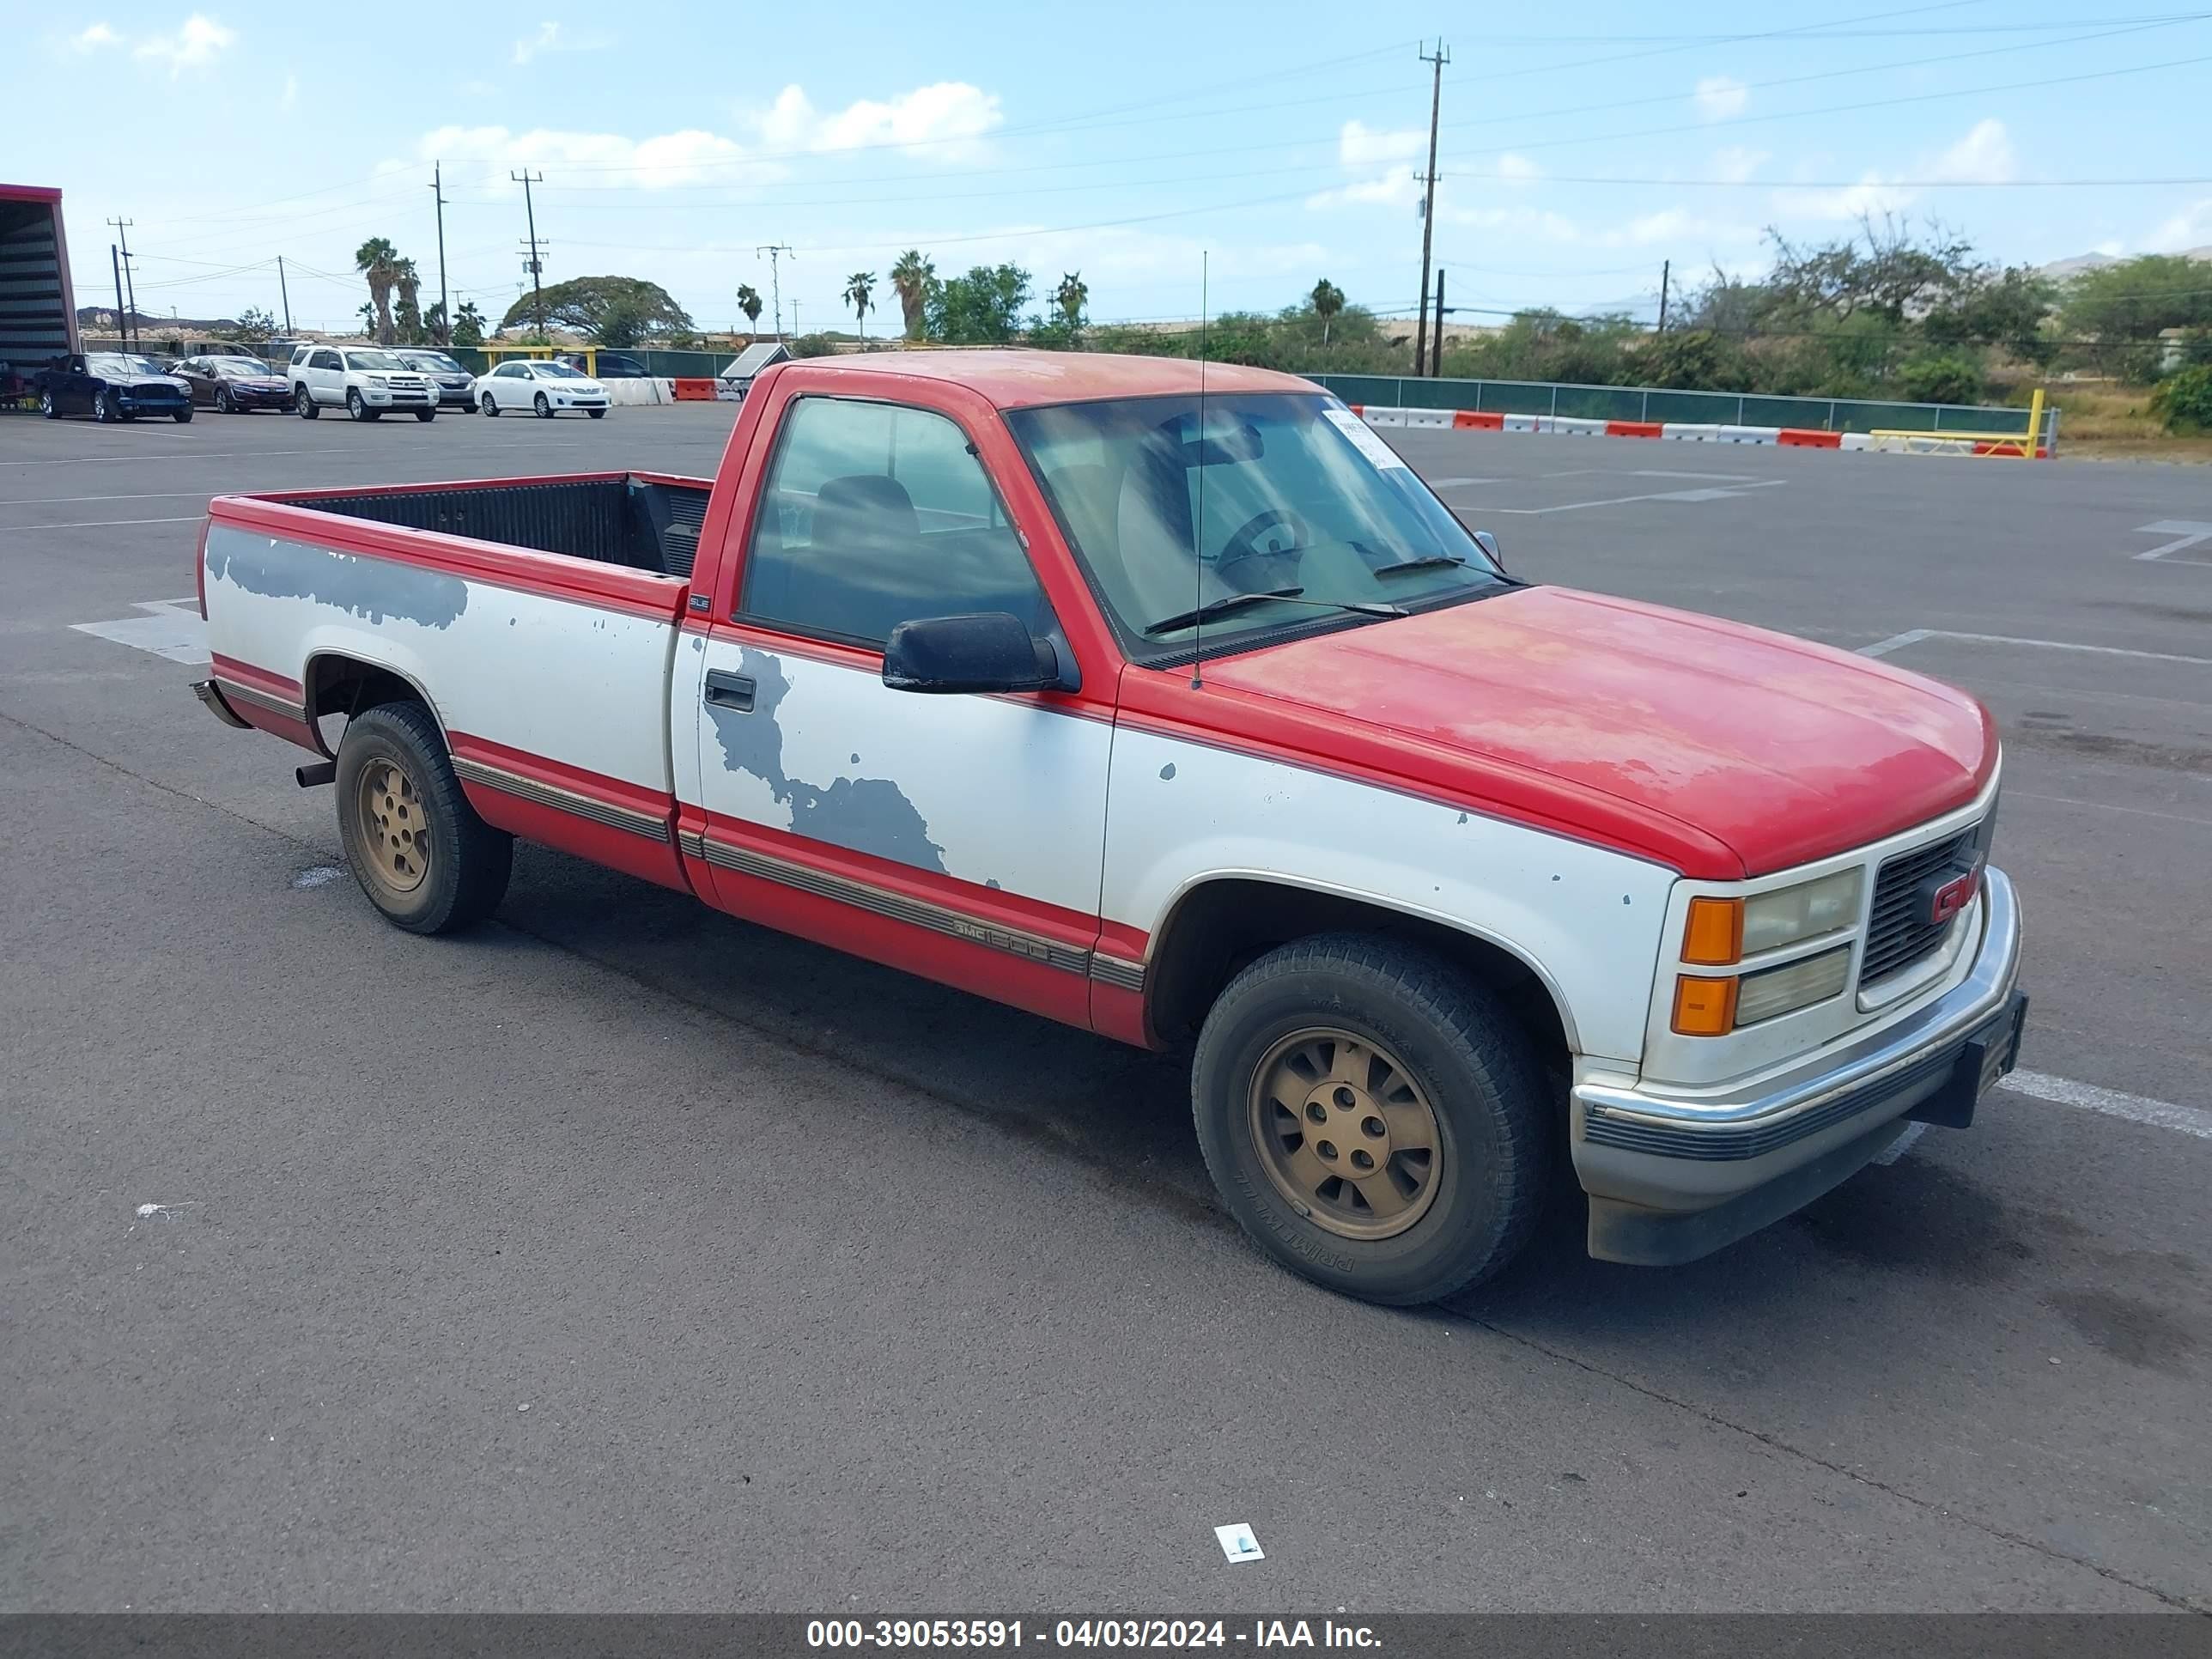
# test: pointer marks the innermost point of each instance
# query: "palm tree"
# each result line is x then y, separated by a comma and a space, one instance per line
1070, 297
377, 260
1326, 299
749, 301
409, 312
859, 289
912, 277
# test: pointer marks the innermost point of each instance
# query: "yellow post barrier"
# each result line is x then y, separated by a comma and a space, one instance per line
2034, 424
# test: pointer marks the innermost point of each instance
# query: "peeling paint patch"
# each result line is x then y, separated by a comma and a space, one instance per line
1167, 773
372, 589
862, 815
1462, 818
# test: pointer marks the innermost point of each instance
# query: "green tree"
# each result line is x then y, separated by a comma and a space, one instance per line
582, 302
378, 261
1941, 378
811, 346
859, 289
255, 325
2136, 299
1072, 294
369, 320
468, 326
982, 309
1998, 308
1327, 300
749, 301
407, 312
1695, 360
915, 280
2184, 400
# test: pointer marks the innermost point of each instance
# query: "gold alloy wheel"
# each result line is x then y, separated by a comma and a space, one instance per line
395, 831
1345, 1134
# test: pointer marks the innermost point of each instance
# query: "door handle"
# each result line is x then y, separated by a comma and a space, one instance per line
728, 690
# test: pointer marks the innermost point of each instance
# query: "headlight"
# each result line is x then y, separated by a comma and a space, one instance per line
1720, 932
1794, 984
1805, 911
379, 379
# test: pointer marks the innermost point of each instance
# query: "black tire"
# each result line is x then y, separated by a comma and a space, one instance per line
185, 414
47, 406
357, 408
426, 415
223, 403
104, 407
491, 405
596, 414
543, 406
1456, 1042
304, 401
468, 867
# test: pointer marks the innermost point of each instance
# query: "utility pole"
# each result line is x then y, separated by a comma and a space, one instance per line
1666, 270
1437, 351
115, 263
284, 293
445, 317
1438, 59
123, 234
775, 251
794, 314
535, 265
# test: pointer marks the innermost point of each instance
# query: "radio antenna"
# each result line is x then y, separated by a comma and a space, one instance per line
1198, 518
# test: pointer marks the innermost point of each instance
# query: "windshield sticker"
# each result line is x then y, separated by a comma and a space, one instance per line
1363, 438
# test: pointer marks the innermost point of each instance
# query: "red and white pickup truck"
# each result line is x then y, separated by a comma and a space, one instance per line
1185, 712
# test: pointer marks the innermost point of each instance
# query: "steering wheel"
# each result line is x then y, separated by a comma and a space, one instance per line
1245, 544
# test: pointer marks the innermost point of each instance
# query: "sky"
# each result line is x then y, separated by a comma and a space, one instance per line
1580, 147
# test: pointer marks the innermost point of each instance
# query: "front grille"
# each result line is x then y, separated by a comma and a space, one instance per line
1899, 934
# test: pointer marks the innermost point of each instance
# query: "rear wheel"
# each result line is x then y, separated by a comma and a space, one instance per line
544, 408
418, 848
304, 401
490, 405
1373, 1117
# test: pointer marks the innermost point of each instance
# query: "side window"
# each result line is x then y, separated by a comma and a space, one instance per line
509, 372
875, 514
325, 360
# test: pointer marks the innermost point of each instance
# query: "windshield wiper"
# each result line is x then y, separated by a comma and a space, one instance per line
1426, 562
1213, 608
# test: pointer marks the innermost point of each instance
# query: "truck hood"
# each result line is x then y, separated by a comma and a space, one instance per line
1778, 750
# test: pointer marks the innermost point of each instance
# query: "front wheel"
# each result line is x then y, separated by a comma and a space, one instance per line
105, 407
416, 845
1373, 1117
596, 414
356, 407
544, 408
223, 405
185, 414
426, 414
48, 407
304, 401
490, 405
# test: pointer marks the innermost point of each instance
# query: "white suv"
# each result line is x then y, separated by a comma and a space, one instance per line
367, 380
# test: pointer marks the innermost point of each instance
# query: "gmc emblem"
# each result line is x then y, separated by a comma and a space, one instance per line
1946, 892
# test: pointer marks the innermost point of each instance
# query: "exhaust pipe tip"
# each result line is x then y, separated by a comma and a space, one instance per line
316, 774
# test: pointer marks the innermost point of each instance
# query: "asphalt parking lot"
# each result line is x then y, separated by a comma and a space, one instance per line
486, 1280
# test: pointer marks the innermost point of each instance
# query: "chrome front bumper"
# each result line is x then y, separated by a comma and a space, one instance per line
1672, 1176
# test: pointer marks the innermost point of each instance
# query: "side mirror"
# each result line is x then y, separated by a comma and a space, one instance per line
1483, 539
991, 651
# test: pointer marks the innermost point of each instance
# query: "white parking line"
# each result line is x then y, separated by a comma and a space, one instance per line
2063, 1091
2186, 533
1715, 493
1914, 636
94, 523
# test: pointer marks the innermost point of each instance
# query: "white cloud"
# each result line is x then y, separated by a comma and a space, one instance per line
196, 43
945, 121
1397, 186
2189, 228
94, 38
1983, 155
606, 159
1720, 96
555, 37
1735, 163
1517, 169
2112, 250
1360, 145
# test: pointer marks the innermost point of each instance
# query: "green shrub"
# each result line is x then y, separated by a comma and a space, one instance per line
1942, 380
2184, 400
810, 345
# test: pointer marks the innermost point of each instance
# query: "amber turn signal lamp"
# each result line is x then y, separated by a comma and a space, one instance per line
1704, 1007
1715, 934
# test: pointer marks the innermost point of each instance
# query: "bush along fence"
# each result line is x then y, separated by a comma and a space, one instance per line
1624, 411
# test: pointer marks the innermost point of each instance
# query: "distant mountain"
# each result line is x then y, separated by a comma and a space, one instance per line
2082, 262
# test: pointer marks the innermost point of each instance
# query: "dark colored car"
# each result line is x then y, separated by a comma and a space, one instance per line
236, 385
110, 385
613, 366
455, 384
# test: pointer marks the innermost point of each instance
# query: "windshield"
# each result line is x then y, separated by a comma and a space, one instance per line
122, 363
373, 360
436, 362
238, 368
1286, 494
556, 372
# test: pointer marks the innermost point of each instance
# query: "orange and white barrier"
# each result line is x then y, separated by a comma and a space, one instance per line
1700, 432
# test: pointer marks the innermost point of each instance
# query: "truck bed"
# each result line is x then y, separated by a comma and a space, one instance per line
643, 520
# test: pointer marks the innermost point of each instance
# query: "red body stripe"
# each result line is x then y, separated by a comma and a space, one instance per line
258, 679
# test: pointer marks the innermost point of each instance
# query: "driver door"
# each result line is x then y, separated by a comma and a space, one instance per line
956, 837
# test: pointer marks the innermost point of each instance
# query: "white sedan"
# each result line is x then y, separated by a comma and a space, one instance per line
545, 388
